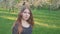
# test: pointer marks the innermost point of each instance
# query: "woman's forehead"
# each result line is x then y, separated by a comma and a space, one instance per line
26, 10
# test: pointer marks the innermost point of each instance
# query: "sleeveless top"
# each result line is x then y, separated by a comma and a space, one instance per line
25, 30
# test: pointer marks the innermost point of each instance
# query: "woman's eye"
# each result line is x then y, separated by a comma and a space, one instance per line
27, 12
24, 12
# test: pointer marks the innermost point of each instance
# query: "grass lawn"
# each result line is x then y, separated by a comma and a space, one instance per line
46, 22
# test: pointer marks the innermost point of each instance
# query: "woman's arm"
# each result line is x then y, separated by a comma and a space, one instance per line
15, 29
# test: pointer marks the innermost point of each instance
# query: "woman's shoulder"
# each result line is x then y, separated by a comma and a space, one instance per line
15, 29
16, 24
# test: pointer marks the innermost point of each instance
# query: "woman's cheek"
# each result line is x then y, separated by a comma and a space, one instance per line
24, 15
29, 15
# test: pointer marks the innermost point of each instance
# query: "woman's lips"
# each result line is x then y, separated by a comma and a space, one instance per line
26, 17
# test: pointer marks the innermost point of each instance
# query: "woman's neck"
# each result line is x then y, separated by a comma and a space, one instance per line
23, 20
25, 23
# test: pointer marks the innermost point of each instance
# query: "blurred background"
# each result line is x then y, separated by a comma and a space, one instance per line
46, 15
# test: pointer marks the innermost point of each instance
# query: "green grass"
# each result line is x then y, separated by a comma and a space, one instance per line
46, 22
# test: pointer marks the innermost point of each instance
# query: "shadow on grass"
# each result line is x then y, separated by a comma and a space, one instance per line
42, 25
5, 25
8, 14
39, 29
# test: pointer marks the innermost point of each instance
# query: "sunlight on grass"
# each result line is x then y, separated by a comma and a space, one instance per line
8, 17
49, 26
41, 23
13, 13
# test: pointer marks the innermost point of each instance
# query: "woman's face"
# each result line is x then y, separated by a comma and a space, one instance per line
26, 14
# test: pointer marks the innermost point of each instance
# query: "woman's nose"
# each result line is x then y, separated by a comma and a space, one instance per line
27, 14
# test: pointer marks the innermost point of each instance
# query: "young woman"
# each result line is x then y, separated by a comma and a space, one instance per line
24, 23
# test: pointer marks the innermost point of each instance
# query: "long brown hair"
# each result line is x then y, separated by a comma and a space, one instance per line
30, 20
